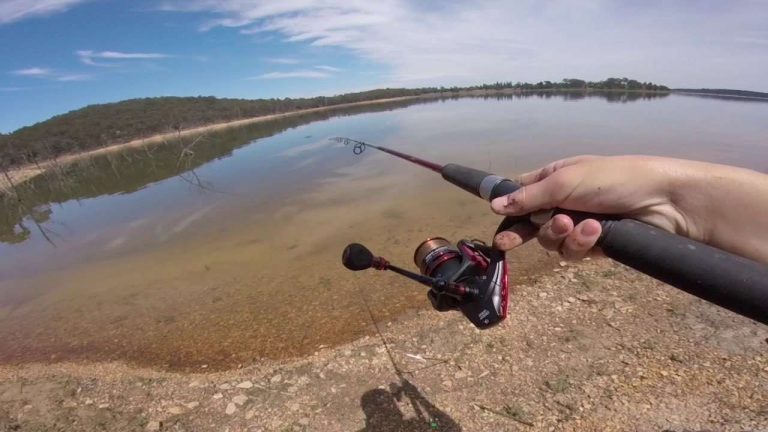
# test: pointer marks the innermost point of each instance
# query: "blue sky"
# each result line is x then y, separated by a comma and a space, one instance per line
59, 55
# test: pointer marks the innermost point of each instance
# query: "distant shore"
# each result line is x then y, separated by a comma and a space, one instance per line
24, 173
27, 172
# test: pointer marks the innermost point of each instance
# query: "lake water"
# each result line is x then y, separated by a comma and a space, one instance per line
226, 249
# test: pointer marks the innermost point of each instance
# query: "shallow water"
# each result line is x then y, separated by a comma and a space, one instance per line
226, 249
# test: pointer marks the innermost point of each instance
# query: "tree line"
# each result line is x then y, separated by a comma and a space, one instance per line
101, 125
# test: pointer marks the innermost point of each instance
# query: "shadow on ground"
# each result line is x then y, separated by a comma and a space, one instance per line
383, 413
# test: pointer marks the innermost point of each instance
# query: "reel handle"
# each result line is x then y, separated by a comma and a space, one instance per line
725, 279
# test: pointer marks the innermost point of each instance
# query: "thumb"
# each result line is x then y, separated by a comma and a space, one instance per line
528, 199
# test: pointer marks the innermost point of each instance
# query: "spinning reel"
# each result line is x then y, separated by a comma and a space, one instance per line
470, 277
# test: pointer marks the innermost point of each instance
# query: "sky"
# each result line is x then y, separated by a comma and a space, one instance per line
60, 55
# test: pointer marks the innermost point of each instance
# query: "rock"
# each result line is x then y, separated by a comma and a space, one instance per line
154, 425
192, 405
225, 386
461, 374
175, 410
103, 406
570, 300
304, 422
245, 385
249, 414
542, 294
231, 408
218, 396
276, 379
69, 404
195, 383
89, 401
240, 399
563, 263
447, 384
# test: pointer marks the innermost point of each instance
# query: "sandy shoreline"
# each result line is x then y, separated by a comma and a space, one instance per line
594, 346
27, 172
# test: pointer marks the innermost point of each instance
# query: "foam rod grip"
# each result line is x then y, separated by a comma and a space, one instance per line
727, 280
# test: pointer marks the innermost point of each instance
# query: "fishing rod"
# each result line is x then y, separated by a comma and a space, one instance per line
725, 279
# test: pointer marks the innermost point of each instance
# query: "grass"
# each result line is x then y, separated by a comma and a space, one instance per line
514, 411
511, 411
558, 385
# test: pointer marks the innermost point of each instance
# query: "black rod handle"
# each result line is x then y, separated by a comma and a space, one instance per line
727, 280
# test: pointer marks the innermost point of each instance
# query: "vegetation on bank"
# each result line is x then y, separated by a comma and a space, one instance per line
102, 125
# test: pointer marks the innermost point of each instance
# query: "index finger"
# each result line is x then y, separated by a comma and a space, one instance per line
549, 169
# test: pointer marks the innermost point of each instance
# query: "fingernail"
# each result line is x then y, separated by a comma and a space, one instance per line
590, 229
511, 199
498, 204
558, 227
507, 241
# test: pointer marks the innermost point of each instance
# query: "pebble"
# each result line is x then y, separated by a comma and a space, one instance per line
304, 422
276, 379
192, 405
195, 383
570, 300
103, 406
240, 399
225, 386
231, 408
461, 374
175, 410
218, 396
154, 425
89, 401
563, 263
447, 384
249, 414
245, 385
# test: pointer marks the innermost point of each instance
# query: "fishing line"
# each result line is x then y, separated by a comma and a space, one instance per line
381, 336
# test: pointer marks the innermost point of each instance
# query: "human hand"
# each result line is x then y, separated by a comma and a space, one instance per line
637, 187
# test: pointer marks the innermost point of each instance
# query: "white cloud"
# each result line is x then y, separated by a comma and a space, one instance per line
293, 74
74, 77
88, 56
328, 68
281, 60
16, 10
529, 40
33, 72
49, 74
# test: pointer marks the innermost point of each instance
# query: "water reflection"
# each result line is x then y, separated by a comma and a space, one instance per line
133, 169
239, 260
